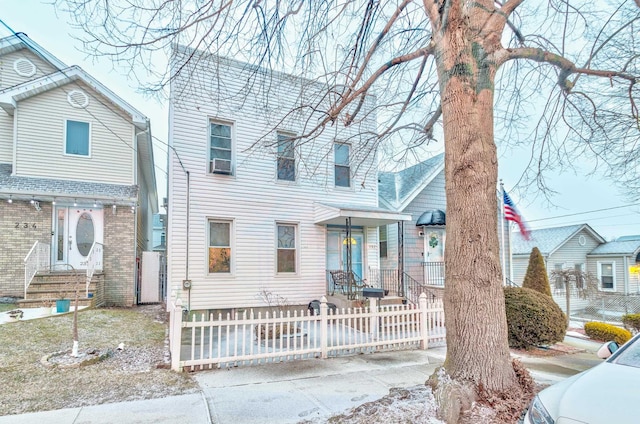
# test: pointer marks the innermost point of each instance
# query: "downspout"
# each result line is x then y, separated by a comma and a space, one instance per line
626, 274
186, 256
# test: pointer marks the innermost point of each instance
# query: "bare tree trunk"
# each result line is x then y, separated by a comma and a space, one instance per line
477, 343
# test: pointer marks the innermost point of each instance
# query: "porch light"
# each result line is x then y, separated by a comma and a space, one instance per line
114, 208
33, 200
10, 200
54, 201
95, 203
133, 209
75, 203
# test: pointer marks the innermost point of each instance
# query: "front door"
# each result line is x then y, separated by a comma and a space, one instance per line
75, 230
337, 251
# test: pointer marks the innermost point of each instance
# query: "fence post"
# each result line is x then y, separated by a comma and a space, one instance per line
175, 335
424, 320
324, 322
374, 322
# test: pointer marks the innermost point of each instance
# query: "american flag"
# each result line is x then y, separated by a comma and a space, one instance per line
511, 214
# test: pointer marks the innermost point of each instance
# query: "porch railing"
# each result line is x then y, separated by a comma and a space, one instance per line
413, 289
433, 273
386, 279
94, 262
38, 259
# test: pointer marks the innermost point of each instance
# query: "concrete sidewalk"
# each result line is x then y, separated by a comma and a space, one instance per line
290, 392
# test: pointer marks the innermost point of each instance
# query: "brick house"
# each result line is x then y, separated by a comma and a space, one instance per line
77, 182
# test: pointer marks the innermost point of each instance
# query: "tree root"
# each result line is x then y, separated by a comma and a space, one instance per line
464, 402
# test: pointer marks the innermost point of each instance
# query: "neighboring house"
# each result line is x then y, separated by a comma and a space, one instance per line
159, 233
77, 180
255, 207
419, 191
615, 264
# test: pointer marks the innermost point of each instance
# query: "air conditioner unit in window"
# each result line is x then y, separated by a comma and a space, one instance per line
221, 166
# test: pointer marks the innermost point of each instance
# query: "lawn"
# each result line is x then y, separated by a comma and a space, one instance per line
132, 373
7, 306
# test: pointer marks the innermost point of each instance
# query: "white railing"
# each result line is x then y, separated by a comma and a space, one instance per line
94, 262
283, 336
38, 259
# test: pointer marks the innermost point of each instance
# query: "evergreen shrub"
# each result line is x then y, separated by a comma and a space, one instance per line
533, 319
536, 277
606, 332
631, 322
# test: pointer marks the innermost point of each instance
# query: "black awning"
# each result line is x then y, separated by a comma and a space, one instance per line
432, 217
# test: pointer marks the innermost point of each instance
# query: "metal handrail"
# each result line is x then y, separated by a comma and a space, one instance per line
94, 262
413, 289
37, 259
433, 273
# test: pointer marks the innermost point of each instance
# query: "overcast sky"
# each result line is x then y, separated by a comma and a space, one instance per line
576, 194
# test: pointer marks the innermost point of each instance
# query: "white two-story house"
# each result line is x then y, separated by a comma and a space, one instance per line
77, 182
256, 204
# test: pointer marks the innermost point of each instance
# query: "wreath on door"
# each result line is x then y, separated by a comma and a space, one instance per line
433, 240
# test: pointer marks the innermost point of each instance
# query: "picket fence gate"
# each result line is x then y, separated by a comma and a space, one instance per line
207, 342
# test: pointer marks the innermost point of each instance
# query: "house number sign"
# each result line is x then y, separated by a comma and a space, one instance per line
25, 225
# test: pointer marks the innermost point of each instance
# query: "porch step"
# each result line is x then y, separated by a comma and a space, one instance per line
37, 303
53, 285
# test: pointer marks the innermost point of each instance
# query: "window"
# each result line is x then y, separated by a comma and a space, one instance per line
219, 247
77, 138
342, 168
220, 148
286, 159
606, 275
559, 282
383, 241
579, 276
286, 248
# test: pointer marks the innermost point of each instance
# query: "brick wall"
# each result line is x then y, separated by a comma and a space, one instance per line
20, 226
119, 257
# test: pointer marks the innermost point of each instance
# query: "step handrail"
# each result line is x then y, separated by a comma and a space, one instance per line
413, 288
94, 262
38, 259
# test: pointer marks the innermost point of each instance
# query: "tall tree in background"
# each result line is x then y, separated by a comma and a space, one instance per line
569, 66
536, 277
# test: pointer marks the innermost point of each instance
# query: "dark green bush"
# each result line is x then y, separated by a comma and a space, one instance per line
533, 318
631, 322
536, 277
606, 332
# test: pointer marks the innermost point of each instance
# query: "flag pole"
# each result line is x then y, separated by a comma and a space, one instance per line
504, 271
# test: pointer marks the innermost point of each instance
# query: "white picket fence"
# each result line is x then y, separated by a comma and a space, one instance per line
255, 338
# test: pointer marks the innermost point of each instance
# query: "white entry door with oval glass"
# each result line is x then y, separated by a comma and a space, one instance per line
76, 228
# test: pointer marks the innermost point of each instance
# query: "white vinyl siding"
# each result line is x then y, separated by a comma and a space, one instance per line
6, 137
254, 198
41, 136
8, 75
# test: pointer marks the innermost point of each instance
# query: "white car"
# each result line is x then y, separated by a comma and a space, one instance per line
607, 393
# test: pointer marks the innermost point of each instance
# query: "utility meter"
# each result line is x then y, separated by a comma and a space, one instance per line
186, 284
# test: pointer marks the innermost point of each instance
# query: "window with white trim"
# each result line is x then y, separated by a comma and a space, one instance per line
77, 138
342, 171
607, 275
219, 247
220, 148
383, 241
286, 157
286, 246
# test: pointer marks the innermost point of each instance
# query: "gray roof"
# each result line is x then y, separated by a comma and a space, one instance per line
396, 188
27, 186
547, 240
627, 247
628, 238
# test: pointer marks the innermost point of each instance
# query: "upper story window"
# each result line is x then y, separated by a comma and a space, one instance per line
219, 247
286, 158
383, 241
286, 248
221, 148
77, 136
342, 171
606, 275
